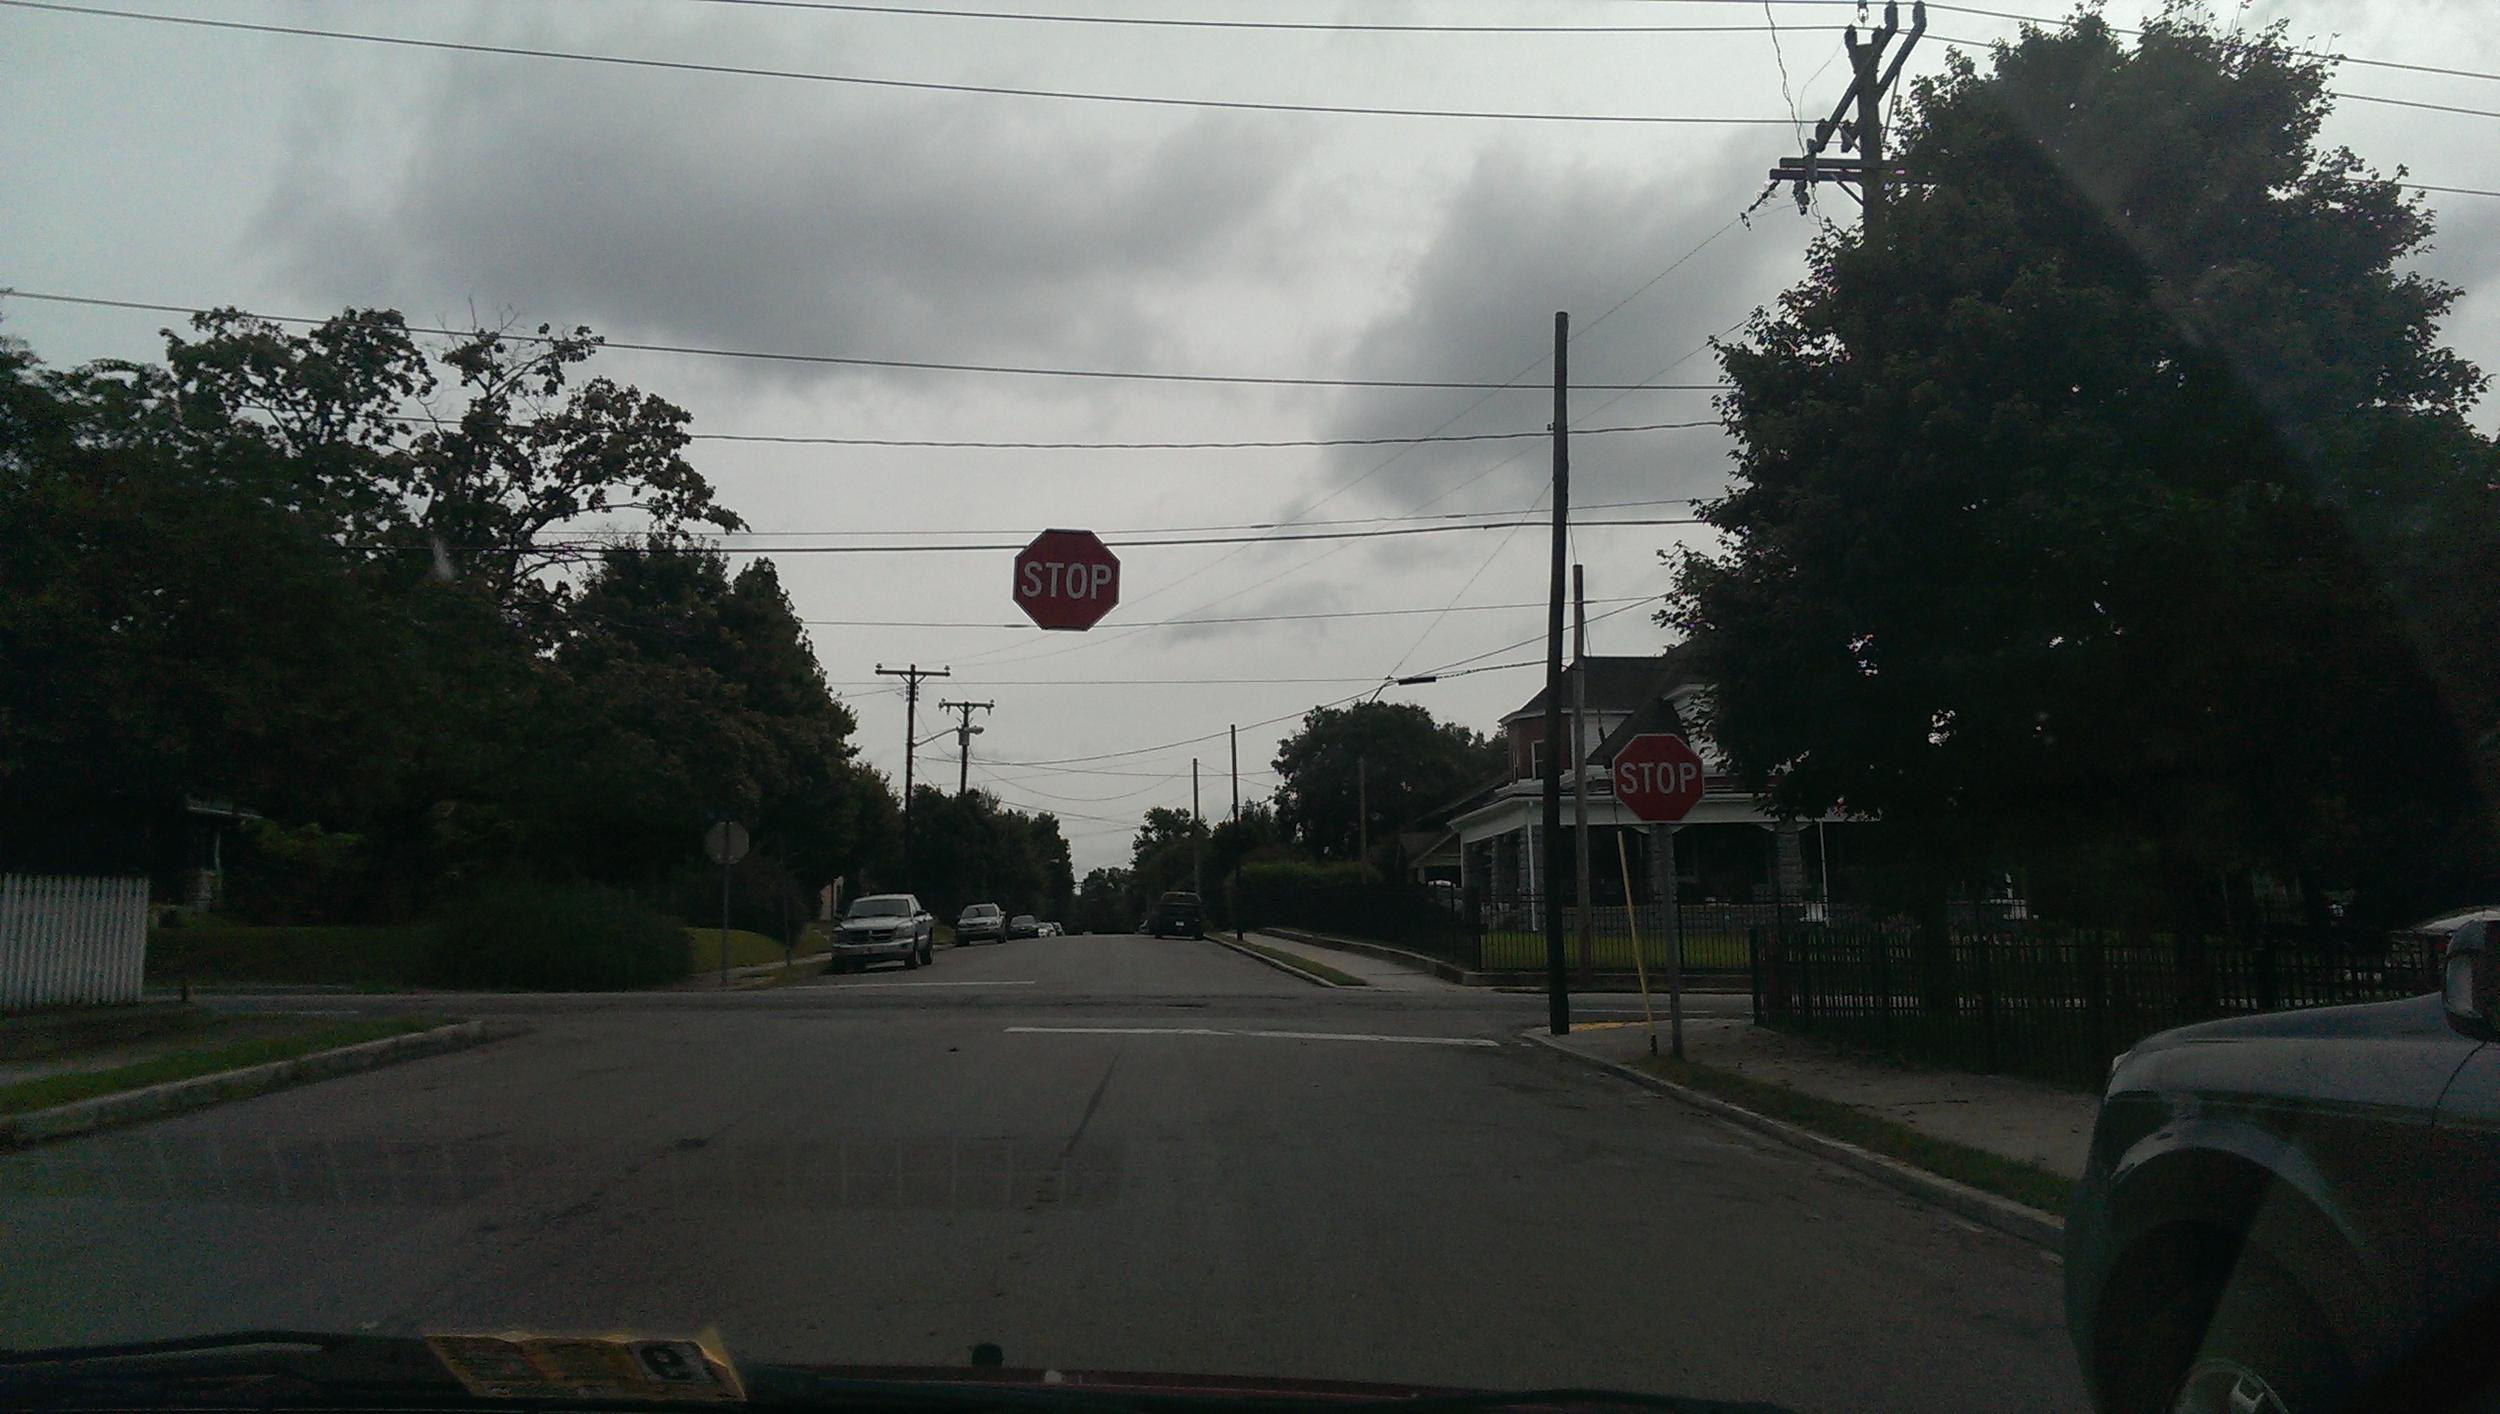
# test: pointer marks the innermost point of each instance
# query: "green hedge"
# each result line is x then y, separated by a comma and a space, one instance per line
555, 937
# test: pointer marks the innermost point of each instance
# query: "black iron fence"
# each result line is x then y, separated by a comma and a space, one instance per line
2059, 1004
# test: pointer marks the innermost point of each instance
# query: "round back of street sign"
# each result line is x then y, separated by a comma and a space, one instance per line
1067, 579
1658, 777
726, 842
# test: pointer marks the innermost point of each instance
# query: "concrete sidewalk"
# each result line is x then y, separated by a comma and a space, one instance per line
2015, 1119
1377, 973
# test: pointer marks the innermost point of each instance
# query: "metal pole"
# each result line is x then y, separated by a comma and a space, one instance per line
1234, 735
724, 921
1197, 839
1632, 916
1557, 991
1582, 894
1675, 947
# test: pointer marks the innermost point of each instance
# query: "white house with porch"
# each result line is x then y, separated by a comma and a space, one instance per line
1728, 850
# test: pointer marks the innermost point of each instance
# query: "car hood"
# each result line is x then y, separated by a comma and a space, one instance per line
295, 1369
2413, 1016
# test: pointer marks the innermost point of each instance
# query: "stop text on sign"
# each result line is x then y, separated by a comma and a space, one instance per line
1051, 579
1663, 777
1066, 579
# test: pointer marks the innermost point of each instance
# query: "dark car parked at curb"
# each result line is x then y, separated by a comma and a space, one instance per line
2295, 1212
1178, 915
980, 923
1024, 925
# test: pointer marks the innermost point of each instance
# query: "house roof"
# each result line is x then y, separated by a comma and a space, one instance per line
1656, 715
1621, 684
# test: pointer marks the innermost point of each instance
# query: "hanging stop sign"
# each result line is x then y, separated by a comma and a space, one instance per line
1658, 777
1067, 579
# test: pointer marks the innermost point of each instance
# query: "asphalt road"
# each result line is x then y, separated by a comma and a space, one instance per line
1104, 1152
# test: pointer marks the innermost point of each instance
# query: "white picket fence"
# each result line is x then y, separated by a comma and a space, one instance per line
70, 940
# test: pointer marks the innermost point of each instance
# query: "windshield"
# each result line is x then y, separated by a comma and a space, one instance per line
1629, 657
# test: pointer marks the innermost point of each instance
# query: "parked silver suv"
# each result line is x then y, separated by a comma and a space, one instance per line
885, 928
981, 923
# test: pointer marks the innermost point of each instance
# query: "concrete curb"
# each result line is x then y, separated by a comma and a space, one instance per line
1715, 984
174, 1097
1446, 971
1987, 1209
1278, 963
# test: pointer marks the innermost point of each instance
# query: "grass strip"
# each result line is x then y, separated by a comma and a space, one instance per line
2027, 1184
1295, 959
195, 1061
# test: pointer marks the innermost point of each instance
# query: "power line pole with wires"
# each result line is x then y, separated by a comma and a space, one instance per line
963, 739
1557, 991
911, 677
1872, 80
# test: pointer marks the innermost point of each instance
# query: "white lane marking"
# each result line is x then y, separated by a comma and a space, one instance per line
1393, 1040
1115, 1031
882, 986
1267, 1035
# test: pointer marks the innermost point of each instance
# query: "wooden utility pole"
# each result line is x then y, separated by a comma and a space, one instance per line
911, 677
1870, 82
1579, 774
1363, 813
963, 739
1557, 993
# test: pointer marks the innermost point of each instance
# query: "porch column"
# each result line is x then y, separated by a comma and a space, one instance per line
1788, 862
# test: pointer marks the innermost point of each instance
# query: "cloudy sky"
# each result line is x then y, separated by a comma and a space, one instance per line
297, 175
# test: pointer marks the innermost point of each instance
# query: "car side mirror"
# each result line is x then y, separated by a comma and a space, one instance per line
2470, 980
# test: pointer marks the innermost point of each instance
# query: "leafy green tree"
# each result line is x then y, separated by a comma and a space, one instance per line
1413, 763
968, 848
1106, 902
2113, 511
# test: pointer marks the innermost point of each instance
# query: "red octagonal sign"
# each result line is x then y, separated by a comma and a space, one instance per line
1067, 579
1658, 777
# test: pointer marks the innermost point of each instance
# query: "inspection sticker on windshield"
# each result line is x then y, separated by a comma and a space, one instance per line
526, 1365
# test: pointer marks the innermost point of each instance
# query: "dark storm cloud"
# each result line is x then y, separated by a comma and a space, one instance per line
1521, 240
753, 215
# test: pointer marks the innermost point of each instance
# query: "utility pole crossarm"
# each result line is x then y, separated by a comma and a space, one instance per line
1871, 81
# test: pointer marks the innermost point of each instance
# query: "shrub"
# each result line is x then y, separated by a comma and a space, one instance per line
554, 937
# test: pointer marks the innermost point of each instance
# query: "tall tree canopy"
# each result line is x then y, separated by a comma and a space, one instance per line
2113, 509
272, 570
1415, 765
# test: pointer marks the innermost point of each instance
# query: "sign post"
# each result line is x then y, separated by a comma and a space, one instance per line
1067, 580
726, 842
1659, 778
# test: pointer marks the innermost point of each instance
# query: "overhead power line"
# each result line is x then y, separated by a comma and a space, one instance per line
1195, 623
1326, 26
852, 361
868, 81
1191, 446
1505, 513
2329, 54
1158, 542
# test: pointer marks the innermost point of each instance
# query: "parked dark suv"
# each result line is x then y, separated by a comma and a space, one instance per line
1178, 915
2299, 1211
